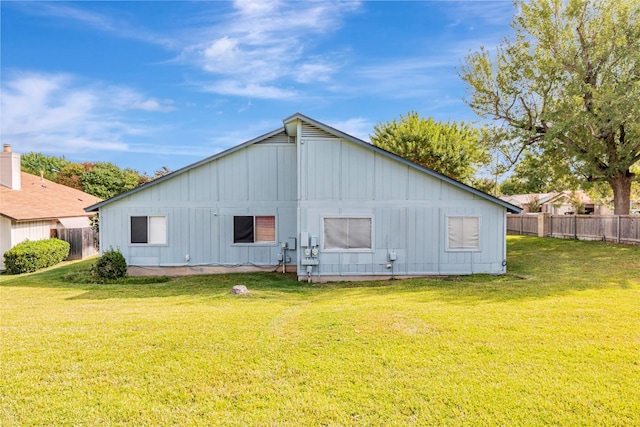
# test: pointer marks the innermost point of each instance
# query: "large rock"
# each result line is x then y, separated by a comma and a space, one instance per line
239, 290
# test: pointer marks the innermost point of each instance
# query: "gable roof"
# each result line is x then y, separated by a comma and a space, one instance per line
290, 127
41, 199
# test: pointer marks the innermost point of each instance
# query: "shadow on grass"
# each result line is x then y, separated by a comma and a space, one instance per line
538, 268
218, 286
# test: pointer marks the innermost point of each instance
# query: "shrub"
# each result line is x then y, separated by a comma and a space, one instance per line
30, 256
111, 265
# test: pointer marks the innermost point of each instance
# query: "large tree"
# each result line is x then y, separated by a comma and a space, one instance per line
106, 180
49, 166
536, 172
568, 82
452, 149
99, 179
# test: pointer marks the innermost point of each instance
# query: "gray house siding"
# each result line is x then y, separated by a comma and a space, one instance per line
408, 210
200, 204
309, 175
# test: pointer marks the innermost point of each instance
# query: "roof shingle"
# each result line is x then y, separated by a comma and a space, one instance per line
41, 199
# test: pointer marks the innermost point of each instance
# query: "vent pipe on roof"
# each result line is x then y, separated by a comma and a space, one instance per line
6, 148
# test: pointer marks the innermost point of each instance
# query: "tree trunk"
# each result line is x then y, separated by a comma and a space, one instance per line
621, 185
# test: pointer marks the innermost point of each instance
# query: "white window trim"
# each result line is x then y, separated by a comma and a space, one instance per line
470, 249
254, 244
371, 249
166, 234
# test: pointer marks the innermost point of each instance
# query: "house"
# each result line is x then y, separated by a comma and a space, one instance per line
34, 208
312, 199
557, 203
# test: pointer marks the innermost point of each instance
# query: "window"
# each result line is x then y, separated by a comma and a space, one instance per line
347, 233
254, 229
151, 230
463, 232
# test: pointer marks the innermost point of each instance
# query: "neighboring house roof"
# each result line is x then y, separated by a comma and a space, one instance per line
291, 129
41, 199
522, 199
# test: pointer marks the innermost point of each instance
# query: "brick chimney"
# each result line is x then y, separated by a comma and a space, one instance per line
10, 168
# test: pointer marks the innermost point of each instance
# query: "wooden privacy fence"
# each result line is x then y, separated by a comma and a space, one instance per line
609, 228
81, 240
522, 224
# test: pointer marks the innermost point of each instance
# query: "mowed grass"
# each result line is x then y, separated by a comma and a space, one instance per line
556, 341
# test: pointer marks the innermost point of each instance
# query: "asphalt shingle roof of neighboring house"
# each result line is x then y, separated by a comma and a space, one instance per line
522, 199
41, 199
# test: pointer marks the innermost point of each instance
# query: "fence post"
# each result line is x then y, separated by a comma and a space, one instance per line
618, 231
575, 226
542, 224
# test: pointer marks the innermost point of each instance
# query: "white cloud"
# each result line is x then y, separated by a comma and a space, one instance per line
249, 90
173, 150
153, 104
129, 99
359, 127
317, 72
55, 112
224, 50
491, 12
259, 45
256, 7
392, 69
403, 78
263, 44
95, 20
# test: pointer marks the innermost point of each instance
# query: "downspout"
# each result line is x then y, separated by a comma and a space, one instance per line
299, 159
504, 242
442, 235
299, 195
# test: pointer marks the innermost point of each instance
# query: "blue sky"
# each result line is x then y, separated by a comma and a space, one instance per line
166, 83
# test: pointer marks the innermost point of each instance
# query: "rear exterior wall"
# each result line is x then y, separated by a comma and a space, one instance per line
199, 206
301, 184
408, 211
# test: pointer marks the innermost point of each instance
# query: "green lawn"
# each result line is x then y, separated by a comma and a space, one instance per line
556, 341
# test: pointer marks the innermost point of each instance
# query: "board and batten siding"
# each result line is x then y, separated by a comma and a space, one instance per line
301, 179
408, 208
199, 205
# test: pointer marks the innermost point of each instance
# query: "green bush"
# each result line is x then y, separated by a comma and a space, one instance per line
30, 256
111, 265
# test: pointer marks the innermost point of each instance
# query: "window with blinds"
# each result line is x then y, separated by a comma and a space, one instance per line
347, 233
254, 229
463, 233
